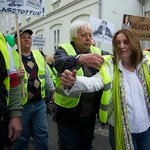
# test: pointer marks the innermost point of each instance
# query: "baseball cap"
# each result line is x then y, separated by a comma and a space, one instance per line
21, 31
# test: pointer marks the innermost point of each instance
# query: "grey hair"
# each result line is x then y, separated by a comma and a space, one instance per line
76, 25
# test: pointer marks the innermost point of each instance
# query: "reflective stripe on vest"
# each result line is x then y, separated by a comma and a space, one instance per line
4, 51
41, 72
103, 111
60, 97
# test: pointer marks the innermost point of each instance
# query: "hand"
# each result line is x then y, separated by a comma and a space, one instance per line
53, 95
68, 78
53, 104
91, 60
53, 98
147, 49
20, 73
14, 128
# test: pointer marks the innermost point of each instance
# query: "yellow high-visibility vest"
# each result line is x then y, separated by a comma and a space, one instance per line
103, 111
52, 75
41, 72
60, 97
4, 51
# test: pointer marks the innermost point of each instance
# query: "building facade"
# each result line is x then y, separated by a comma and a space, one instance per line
59, 14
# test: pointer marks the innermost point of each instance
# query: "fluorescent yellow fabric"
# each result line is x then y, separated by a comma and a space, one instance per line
52, 75
103, 111
119, 139
60, 98
148, 54
4, 51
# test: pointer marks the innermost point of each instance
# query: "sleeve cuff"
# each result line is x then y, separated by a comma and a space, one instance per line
15, 113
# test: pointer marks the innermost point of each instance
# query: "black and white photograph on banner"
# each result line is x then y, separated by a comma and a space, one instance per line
35, 3
103, 31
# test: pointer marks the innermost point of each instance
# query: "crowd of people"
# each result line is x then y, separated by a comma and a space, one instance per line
81, 80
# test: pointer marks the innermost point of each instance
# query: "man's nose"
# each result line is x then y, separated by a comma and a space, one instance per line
26, 39
88, 36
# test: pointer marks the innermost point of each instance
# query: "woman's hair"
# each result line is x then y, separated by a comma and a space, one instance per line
76, 25
134, 42
50, 59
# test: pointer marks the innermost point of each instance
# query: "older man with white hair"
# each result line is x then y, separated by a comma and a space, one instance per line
75, 115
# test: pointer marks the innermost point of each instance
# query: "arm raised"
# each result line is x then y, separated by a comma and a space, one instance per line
68, 78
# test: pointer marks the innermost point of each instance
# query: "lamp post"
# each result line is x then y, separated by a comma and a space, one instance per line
99, 16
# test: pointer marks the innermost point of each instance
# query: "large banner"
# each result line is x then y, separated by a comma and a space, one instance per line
23, 7
141, 25
103, 31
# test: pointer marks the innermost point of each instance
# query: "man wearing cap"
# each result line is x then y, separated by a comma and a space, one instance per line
36, 76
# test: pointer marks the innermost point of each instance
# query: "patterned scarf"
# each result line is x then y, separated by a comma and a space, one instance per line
122, 127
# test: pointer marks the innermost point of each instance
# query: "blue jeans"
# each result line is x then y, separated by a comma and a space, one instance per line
34, 113
77, 138
111, 137
141, 141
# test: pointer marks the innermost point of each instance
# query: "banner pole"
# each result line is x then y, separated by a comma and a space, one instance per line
19, 50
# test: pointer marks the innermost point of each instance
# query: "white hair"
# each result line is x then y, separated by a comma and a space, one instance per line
76, 25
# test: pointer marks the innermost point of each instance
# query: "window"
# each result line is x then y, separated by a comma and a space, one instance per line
12, 20
55, 36
56, 39
55, 4
40, 48
7, 25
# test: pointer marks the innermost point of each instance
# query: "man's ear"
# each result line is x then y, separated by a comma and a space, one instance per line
73, 39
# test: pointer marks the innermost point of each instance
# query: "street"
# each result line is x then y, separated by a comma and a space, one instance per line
100, 142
